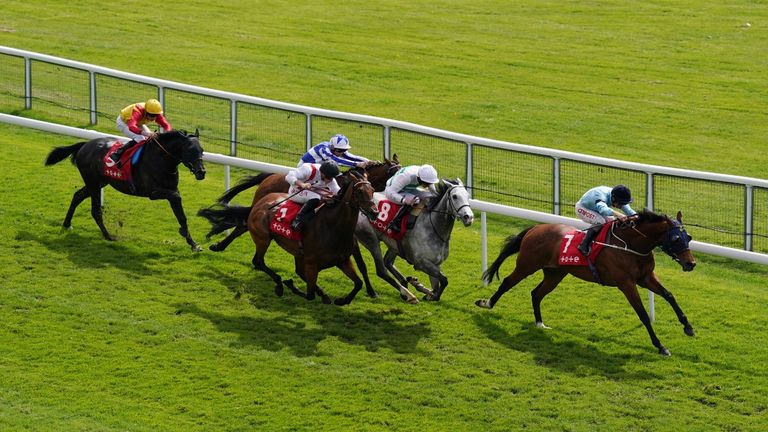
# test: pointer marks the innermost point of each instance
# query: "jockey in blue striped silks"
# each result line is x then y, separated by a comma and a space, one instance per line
337, 150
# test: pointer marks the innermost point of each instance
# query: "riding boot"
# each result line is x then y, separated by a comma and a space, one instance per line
394, 226
305, 214
586, 245
116, 155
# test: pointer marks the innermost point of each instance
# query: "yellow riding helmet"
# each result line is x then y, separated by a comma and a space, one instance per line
153, 106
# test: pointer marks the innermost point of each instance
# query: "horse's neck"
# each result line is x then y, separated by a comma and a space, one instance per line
642, 239
378, 177
440, 215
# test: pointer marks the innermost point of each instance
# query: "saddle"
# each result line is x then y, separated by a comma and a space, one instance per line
123, 169
281, 221
570, 255
387, 211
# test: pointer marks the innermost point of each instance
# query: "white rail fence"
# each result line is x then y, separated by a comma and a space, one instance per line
536, 181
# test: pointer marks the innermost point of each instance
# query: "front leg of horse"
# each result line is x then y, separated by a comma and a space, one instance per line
437, 279
349, 270
363, 270
174, 198
655, 286
309, 274
630, 292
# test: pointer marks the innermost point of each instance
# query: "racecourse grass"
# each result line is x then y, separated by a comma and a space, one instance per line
141, 334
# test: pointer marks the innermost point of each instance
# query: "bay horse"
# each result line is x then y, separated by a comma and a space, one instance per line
625, 262
425, 246
328, 238
156, 177
378, 173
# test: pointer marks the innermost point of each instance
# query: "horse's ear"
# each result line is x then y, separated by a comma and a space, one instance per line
395, 159
197, 133
680, 216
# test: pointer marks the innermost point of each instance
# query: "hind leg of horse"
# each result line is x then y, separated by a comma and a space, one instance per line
259, 264
348, 269
372, 244
653, 284
236, 232
174, 199
551, 279
630, 292
97, 215
77, 198
514, 278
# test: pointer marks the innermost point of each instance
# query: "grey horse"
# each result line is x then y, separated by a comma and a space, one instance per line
425, 246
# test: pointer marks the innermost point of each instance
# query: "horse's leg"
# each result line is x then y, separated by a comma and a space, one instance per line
518, 274
77, 198
437, 280
653, 284
389, 262
349, 270
551, 279
174, 198
96, 212
236, 232
371, 242
363, 270
310, 277
629, 289
259, 264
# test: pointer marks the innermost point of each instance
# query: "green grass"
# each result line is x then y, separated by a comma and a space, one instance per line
141, 334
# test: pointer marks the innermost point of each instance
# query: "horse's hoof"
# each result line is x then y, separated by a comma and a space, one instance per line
279, 290
412, 300
197, 248
665, 352
541, 325
483, 303
372, 294
215, 247
689, 331
431, 297
327, 300
340, 302
111, 238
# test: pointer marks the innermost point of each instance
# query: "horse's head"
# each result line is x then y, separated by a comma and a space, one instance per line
189, 151
457, 197
362, 194
380, 172
675, 243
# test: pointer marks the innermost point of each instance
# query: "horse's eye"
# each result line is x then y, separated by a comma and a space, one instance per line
675, 238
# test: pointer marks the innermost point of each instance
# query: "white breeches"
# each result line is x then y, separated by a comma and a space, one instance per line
302, 196
591, 217
122, 127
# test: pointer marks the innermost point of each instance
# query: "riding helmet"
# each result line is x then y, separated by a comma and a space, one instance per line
621, 195
329, 169
340, 142
152, 106
427, 174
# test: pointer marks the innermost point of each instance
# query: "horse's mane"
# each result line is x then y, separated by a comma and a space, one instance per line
442, 187
646, 215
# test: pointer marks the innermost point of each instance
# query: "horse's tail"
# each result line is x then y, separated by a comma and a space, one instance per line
223, 217
245, 183
511, 247
58, 154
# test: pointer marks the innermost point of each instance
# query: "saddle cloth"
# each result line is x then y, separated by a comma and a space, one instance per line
281, 222
569, 252
124, 169
387, 211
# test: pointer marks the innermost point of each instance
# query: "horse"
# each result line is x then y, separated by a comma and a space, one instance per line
425, 246
328, 238
156, 177
625, 262
378, 173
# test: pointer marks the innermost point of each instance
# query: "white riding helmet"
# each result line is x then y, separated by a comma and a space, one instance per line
340, 142
427, 174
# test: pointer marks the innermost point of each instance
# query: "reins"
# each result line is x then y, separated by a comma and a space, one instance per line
454, 214
626, 247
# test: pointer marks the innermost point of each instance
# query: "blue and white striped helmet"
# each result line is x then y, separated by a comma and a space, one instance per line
340, 142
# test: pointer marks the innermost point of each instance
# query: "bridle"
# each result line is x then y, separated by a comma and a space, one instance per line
454, 213
674, 242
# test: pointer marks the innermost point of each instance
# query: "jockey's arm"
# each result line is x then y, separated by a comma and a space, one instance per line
134, 123
398, 183
163, 122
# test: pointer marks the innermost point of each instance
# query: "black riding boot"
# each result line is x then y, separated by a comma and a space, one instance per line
116, 155
586, 245
395, 224
305, 214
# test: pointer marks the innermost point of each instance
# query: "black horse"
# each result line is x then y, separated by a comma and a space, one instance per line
156, 177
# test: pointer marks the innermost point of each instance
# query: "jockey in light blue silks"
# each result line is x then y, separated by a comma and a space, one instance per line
596, 208
409, 186
305, 181
337, 150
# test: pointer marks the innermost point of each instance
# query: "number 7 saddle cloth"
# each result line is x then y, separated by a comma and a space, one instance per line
569, 252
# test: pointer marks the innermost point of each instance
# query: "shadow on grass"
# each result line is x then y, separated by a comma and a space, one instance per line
88, 252
571, 356
372, 330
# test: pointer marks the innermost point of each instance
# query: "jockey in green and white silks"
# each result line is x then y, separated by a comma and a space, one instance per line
409, 186
596, 207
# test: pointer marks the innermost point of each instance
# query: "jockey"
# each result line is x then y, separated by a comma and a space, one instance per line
596, 208
132, 122
306, 181
409, 186
336, 150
